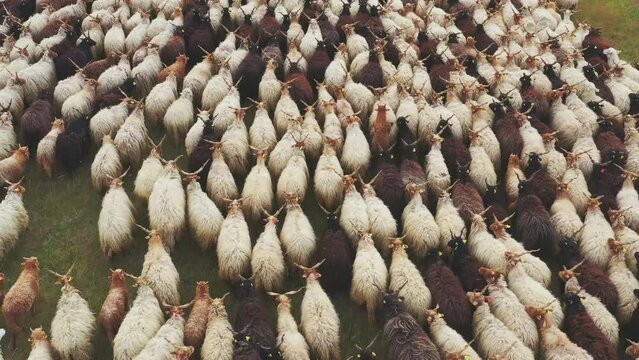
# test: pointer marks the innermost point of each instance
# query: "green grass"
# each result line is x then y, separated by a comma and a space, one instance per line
619, 20
63, 227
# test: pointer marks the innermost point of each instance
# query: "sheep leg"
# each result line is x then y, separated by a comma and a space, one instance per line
370, 309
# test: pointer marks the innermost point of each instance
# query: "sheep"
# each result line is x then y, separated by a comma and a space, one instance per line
179, 116
258, 188
327, 179
234, 244
225, 112
405, 338
262, 132
168, 337
507, 308
40, 346
218, 342
236, 146
198, 77
267, 260
534, 267
158, 269
383, 224
370, 276
252, 320
319, 322
205, 219
13, 167
116, 220
528, 291
220, 183
407, 282
12, 97
564, 217
8, 138
195, 327
147, 71
269, 89
167, 205
297, 235
554, 344
160, 98
106, 165
150, 171
485, 247
437, 174
578, 190
294, 177
115, 306
292, 344
21, 297
46, 147
626, 236
131, 138
602, 318
493, 337
285, 109
109, 119
481, 167
356, 155
73, 325
131, 337
79, 104
217, 88
16, 218
624, 281
595, 234
447, 340
628, 199
419, 225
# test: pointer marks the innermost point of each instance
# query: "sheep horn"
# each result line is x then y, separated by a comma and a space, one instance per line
143, 228
196, 171
293, 292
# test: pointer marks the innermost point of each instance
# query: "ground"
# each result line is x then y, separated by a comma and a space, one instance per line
64, 212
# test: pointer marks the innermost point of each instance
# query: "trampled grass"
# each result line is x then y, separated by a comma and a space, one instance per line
63, 228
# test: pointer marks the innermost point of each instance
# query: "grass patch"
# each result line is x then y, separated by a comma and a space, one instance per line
619, 20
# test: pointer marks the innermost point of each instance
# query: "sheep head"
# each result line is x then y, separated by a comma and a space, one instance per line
37, 335
491, 276
311, 273
118, 279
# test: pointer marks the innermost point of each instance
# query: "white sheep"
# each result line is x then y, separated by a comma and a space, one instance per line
419, 225
294, 177
220, 184
447, 340
160, 98
236, 144
320, 322
625, 283
595, 234
267, 261
218, 342
40, 347
169, 337
292, 344
73, 325
106, 165
258, 188
205, 219
179, 116
383, 224
262, 132
159, 271
493, 337
407, 282
140, 324
8, 138
131, 138
149, 172
167, 205
234, 244
15, 218
297, 235
116, 220
327, 179
506, 307
354, 215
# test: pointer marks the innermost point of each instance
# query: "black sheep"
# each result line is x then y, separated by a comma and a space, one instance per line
388, 184
36, 121
583, 331
250, 73
405, 339
448, 292
465, 265
253, 315
338, 252
72, 144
